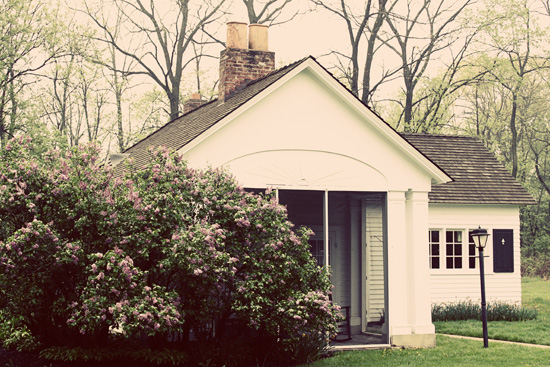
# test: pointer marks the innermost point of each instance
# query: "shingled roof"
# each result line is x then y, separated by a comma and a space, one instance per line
478, 177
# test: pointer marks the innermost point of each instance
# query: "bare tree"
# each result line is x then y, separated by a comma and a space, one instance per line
116, 74
268, 11
95, 97
66, 100
146, 110
73, 103
118, 81
511, 39
27, 45
541, 151
436, 95
158, 40
421, 30
364, 26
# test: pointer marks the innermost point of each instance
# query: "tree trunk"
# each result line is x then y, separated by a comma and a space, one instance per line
174, 97
407, 110
118, 97
2, 118
118, 100
366, 90
514, 132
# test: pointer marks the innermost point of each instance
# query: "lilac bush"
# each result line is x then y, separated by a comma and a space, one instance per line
151, 250
35, 264
116, 295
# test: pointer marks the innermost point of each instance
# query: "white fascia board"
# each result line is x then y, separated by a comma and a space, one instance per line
437, 175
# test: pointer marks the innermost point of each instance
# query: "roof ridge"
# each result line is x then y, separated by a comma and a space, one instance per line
439, 135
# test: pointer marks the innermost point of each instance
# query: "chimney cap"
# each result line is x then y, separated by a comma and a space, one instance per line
195, 96
236, 35
257, 37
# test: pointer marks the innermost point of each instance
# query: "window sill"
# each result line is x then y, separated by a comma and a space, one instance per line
458, 272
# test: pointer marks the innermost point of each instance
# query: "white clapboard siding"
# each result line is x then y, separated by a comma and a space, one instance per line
375, 261
464, 284
342, 265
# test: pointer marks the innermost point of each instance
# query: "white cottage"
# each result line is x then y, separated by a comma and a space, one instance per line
391, 212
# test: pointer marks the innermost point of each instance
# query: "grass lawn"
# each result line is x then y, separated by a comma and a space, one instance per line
459, 352
536, 293
449, 352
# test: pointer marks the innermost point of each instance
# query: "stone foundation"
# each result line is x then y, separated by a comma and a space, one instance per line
414, 341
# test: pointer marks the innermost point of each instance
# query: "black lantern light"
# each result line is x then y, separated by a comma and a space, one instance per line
479, 237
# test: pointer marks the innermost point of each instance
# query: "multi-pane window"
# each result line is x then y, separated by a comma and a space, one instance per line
453, 245
471, 251
452, 249
434, 249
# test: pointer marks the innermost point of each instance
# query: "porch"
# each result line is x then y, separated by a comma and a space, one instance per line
349, 238
356, 235
360, 342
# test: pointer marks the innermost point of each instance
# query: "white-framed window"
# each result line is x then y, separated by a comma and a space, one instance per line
435, 249
451, 249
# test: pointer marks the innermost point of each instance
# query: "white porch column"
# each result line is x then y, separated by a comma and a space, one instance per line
418, 264
409, 309
397, 319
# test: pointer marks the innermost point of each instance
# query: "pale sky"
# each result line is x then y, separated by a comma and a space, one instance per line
312, 34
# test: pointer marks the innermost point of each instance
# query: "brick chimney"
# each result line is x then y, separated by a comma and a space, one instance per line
243, 62
193, 102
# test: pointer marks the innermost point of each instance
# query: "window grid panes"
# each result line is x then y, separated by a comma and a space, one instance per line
453, 247
434, 243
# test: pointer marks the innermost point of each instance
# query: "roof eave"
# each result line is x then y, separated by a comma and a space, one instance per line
518, 202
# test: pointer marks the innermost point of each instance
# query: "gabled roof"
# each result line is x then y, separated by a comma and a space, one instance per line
182, 130
188, 130
478, 177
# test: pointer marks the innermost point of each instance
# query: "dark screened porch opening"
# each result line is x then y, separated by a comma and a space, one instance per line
349, 235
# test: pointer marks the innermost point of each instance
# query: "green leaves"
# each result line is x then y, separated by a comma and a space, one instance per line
162, 248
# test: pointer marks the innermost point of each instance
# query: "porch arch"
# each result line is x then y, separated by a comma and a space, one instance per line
306, 168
